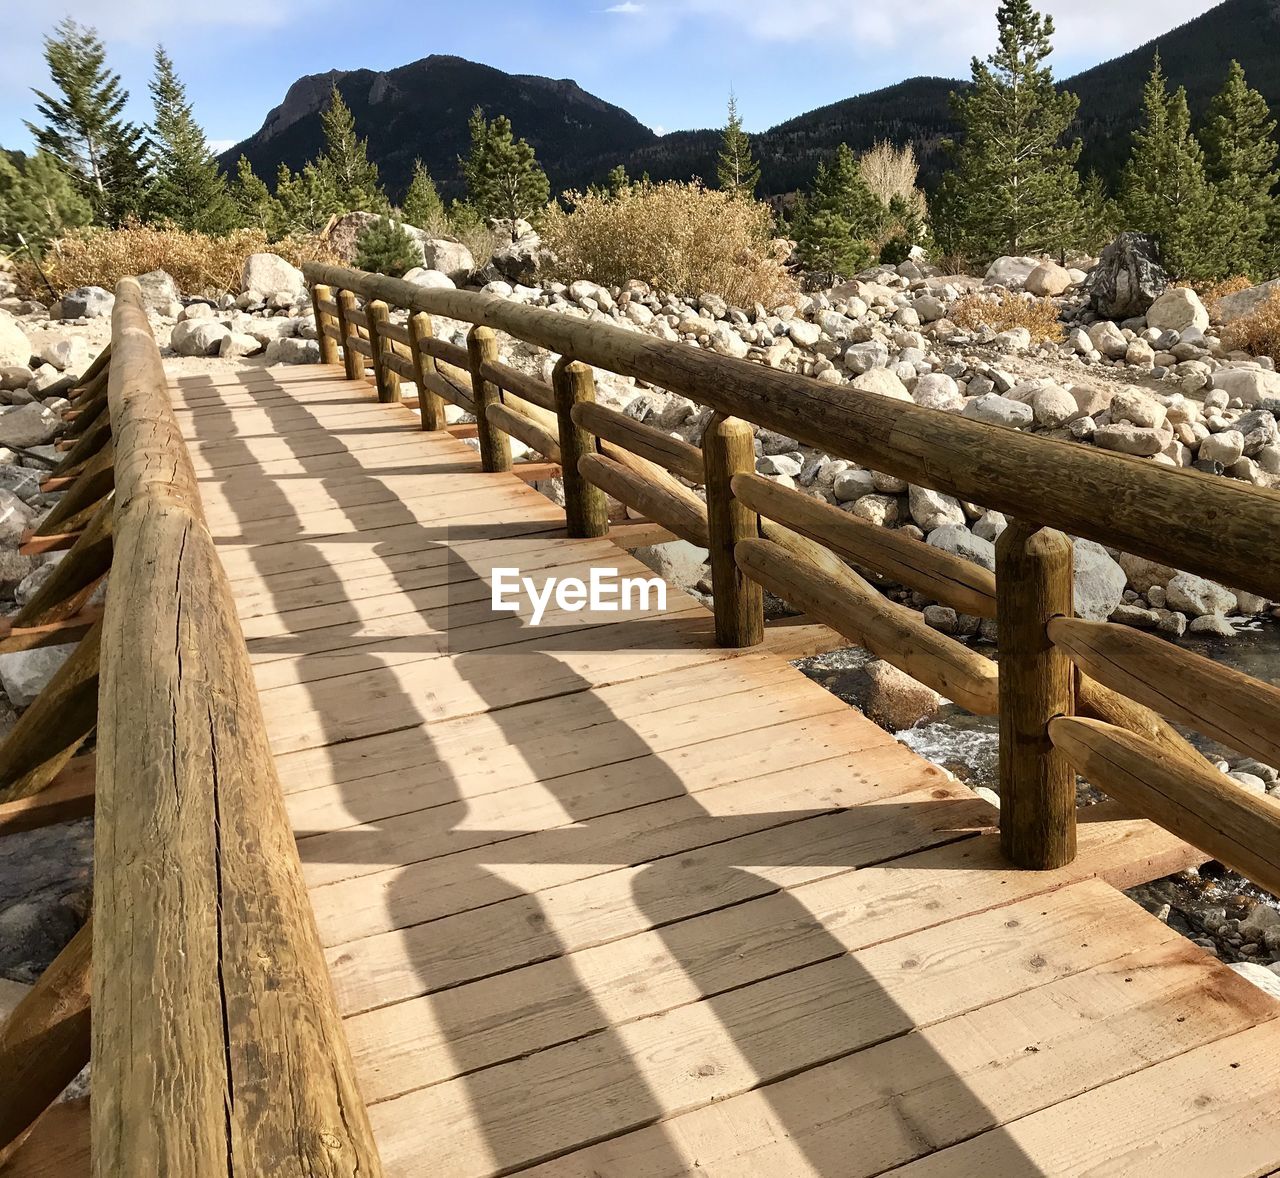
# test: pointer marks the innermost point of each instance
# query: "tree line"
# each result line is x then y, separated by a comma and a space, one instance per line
1207, 193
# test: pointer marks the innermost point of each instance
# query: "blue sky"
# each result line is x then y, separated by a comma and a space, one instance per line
669, 62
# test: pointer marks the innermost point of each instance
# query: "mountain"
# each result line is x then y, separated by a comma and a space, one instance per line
422, 109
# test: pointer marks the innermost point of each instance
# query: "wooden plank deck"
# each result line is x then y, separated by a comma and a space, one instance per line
600, 899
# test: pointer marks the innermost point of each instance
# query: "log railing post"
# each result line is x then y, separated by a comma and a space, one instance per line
495, 445
352, 361
430, 403
1037, 783
328, 345
586, 507
384, 377
728, 448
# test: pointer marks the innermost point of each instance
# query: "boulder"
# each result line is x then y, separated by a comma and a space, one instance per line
937, 390
523, 260
1011, 272
16, 570
1198, 595
932, 509
881, 510
431, 279
1128, 277
265, 274
291, 350
1052, 407
198, 337
1099, 582
1251, 385
1137, 408
1226, 447
15, 348
994, 409
159, 289
70, 353
892, 698
236, 343
959, 541
883, 382
1178, 309
851, 485
1231, 307
1125, 438
1048, 280
25, 673
15, 518
86, 302
29, 425
14, 376
1108, 339
449, 257
680, 563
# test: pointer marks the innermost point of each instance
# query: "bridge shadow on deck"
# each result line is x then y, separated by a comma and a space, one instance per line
537, 1065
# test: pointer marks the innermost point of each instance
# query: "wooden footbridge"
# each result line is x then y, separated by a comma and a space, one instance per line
389, 881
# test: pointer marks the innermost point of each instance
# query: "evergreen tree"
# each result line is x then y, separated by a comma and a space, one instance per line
255, 205
189, 188
1164, 191
1240, 162
383, 247
422, 205
1014, 185
38, 200
736, 171
504, 181
838, 219
1099, 219
83, 126
307, 199
353, 176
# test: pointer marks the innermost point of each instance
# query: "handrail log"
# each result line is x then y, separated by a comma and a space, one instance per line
1217, 815
675, 454
1240, 711
656, 502
1195, 521
217, 1047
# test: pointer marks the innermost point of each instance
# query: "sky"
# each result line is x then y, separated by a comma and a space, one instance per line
671, 63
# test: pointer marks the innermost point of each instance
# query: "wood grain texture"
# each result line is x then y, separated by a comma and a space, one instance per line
430, 405
1037, 783
325, 308
585, 505
667, 451
728, 450
495, 446
351, 361
210, 996
674, 507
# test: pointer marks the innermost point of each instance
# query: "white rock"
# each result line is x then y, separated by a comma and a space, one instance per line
1125, 438
198, 337
1047, 280
1225, 447
1259, 975
1099, 581
1178, 309
1251, 385
1198, 595
997, 410
1135, 406
290, 350
881, 382
265, 274
1011, 272
15, 517
15, 348
29, 425
1233, 306
932, 509
803, 334
850, 485
937, 390
881, 510
25, 673
1052, 407
237, 344
68, 354
1108, 339
959, 541
726, 340
431, 279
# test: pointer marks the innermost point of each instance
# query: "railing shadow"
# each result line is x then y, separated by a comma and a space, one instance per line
579, 1062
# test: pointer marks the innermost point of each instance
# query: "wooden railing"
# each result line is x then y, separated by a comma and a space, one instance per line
216, 1044
1071, 696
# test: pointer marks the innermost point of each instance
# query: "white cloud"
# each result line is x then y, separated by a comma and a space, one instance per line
627, 8
658, 129
218, 146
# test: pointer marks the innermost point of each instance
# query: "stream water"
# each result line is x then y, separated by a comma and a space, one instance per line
1208, 905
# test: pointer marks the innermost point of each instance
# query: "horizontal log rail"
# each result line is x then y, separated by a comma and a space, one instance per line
761, 533
209, 990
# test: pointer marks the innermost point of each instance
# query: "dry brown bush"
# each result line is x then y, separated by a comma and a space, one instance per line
198, 262
1258, 332
1006, 311
681, 238
1211, 292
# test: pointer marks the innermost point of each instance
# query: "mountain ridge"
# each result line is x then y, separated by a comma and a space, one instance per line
421, 109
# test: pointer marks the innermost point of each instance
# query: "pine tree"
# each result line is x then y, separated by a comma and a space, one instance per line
1240, 162
736, 171
189, 188
307, 199
1164, 191
83, 128
1014, 185
38, 200
422, 206
838, 219
504, 181
346, 159
1099, 218
383, 247
255, 205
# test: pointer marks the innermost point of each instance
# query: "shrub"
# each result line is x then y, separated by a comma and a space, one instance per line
681, 238
383, 247
1211, 292
895, 251
199, 263
1006, 311
1258, 332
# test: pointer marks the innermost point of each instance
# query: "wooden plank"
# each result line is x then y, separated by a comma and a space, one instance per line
533, 1108
58, 1146
1211, 1111
70, 795
888, 1104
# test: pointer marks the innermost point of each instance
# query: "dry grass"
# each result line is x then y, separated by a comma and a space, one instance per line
681, 238
1006, 311
199, 263
1211, 292
1257, 333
